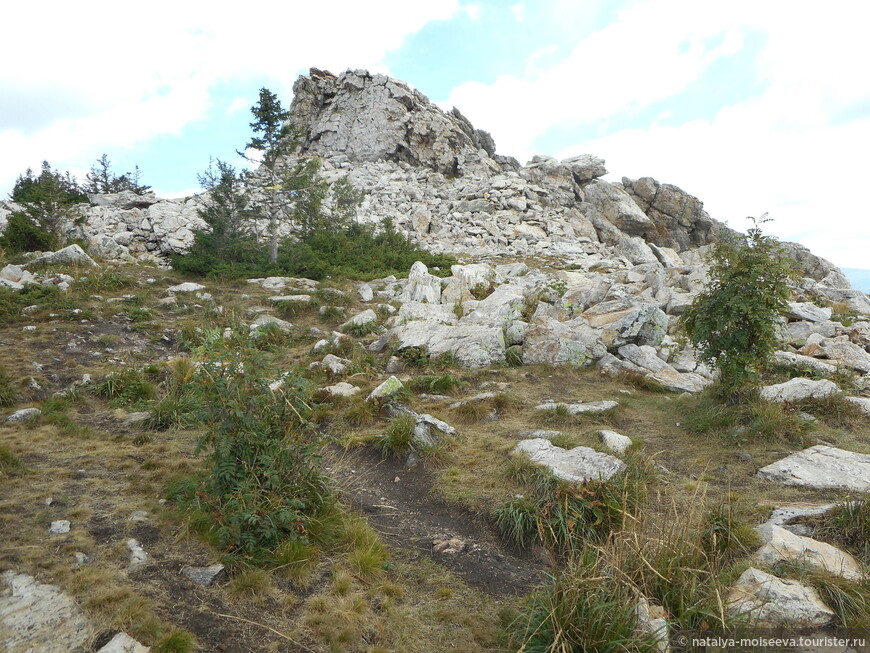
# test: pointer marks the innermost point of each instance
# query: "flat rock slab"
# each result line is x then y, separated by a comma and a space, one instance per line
39, 617
204, 576
577, 465
187, 286
766, 601
785, 546
581, 408
23, 415
798, 390
821, 467
123, 643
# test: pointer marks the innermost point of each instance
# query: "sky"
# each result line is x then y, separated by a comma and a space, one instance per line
754, 107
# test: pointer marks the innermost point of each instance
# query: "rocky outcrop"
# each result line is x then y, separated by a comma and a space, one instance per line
821, 466
372, 117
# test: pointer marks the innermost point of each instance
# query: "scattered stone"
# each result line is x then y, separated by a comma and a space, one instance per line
862, 402
765, 601
205, 576
366, 294
187, 286
38, 617
23, 415
785, 546
291, 299
799, 361
448, 545
138, 556
367, 317
138, 516
539, 433
342, 389
83, 558
821, 467
799, 389
334, 365
590, 407
71, 255
123, 643
395, 365
614, 441
809, 312
263, 320
386, 390
653, 620
576, 465
59, 527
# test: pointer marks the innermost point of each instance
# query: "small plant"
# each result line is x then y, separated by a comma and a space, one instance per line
125, 386
445, 384
399, 435
171, 412
482, 290
362, 330
140, 314
9, 462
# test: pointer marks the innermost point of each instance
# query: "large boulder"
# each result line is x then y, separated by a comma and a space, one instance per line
821, 467
548, 341
765, 601
577, 465
785, 546
369, 117
799, 389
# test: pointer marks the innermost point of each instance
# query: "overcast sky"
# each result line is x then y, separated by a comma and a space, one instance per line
754, 107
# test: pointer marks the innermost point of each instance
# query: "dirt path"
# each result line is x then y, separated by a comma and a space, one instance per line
401, 505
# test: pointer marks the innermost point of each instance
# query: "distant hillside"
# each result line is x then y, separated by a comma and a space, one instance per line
860, 279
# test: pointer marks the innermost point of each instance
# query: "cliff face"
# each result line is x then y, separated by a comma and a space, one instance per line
371, 117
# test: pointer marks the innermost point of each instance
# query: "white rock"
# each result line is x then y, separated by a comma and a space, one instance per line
799, 361
366, 294
187, 286
72, 254
123, 643
614, 441
652, 620
23, 415
766, 601
334, 365
38, 617
364, 318
799, 389
785, 546
263, 320
580, 408
809, 312
821, 467
386, 390
205, 576
59, 527
862, 402
342, 389
576, 465
138, 556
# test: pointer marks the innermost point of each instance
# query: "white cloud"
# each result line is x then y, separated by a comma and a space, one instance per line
473, 11
786, 151
238, 104
519, 12
103, 78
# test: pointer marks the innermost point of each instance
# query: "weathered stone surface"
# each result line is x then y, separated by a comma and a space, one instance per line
334, 365
23, 415
799, 389
364, 318
652, 620
809, 312
784, 546
472, 345
765, 601
579, 464
138, 556
862, 402
581, 408
59, 527
841, 350
616, 206
71, 255
204, 576
342, 389
39, 617
386, 390
821, 467
551, 342
123, 643
614, 441
187, 286
264, 320
799, 361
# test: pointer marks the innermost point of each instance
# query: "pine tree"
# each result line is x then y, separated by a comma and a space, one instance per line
102, 180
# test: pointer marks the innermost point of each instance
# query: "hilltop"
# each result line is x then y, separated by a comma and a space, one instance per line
446, 442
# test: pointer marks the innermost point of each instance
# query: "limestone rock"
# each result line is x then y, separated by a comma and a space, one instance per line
386, 390
809, 312
123, 643
364, 318
652, 620
785, 546
614, 441
59, 527
187, 286
799, 389
23, 415
581, 408
39, 617
862, 402
799, 361
551, 342
334, 365
821, 467
264, 320
342, 389
847, 353
138, 556
766, 601
617, 207
577, 465
71, 255
204, 576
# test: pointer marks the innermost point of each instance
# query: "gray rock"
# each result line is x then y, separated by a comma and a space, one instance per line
614, 441
39, 617
576, 465
765, 601
799, 361
342, 390
652, 620
59, 527
23, 415
809, 312
138, 556
365, 292
71, 255
205, 576
590, 407
123, 643
862, 402
847, 353
785, 546
821, 467
548, 341
264, 320
799, 389
364, 318
187, 286
386, 390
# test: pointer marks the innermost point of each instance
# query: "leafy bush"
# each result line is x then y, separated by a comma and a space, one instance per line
734, 321
265, 482
22, 234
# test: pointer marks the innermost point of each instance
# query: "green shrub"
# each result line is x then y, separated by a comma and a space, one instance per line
399, 435
22, 234
125, 386
446, 384
734, 321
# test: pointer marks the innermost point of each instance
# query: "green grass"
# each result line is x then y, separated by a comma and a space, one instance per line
398, 438
444, 384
